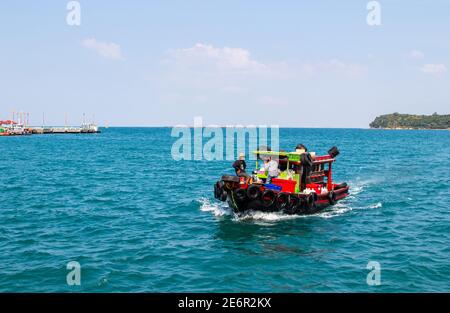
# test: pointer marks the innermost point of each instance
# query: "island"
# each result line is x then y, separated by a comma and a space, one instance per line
411, 121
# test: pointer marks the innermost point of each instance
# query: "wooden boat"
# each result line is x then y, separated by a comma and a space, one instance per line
304, 185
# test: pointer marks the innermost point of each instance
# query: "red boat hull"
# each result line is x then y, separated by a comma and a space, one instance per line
321, 202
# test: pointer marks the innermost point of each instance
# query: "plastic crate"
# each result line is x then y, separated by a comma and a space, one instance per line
285, 184
273, 187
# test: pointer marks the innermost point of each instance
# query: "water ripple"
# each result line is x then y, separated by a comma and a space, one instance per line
138, 221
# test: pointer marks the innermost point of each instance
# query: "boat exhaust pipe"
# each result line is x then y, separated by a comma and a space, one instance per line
333, 152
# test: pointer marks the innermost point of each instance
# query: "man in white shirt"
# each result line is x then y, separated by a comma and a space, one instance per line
271, 166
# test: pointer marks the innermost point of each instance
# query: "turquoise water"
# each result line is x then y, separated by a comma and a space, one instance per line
138, 221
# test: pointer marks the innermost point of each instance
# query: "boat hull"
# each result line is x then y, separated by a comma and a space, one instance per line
320, 204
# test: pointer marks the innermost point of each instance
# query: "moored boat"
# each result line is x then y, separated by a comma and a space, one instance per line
304, 184
12, 128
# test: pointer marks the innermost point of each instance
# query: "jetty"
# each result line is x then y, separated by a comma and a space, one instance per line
20, 127
12, 129
83, 129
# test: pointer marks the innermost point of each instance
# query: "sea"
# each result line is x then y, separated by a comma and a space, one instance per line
133, 219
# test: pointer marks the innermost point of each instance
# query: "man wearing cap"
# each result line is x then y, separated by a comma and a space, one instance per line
271, 166
239, 166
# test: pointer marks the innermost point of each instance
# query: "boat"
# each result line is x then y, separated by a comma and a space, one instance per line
12, 128
304, 186
89, 128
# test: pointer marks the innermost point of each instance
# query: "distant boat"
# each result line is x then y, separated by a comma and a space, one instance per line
89, 128
10, 127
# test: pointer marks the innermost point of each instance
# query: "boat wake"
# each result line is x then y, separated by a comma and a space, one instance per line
219, 209
351, 202
264, 216
216, 208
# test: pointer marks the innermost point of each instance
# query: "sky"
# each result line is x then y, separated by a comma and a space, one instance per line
162, 63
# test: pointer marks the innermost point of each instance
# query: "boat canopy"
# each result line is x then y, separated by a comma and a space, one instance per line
293, 157
8, 122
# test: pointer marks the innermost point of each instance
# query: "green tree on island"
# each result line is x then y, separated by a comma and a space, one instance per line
409, 121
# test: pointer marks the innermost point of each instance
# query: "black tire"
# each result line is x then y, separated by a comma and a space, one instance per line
223, 196
331, 198
340, 186
301, 207
268, 198
240, 194
293, 204
216, 195
282, 200
218, 188
310, 202
230, 179
254, 192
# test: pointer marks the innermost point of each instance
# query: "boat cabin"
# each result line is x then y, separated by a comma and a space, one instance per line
299, 171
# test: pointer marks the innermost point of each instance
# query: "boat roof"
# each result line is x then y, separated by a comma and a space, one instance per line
281, 153
7, 122
294, 156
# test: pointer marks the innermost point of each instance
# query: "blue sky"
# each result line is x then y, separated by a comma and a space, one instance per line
291, 63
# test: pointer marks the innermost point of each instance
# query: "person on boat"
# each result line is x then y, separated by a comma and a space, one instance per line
271, 166
301, 147
239, 166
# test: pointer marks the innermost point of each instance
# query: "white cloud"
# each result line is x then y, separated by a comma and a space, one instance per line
224, 59
209, 61
416, 55
434, 68
107, 50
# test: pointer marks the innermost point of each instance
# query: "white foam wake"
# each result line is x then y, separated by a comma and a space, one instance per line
264, 216
217, 208
376, 205
336, 210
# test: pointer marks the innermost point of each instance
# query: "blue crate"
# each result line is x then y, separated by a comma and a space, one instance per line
273, 187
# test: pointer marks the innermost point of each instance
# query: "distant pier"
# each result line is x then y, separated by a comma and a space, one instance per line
93, 129
11, 128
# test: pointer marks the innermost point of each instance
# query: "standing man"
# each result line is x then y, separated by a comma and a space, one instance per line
239, 166
271, 166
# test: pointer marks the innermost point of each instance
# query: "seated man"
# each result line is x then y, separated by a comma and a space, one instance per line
239, 166
271, 166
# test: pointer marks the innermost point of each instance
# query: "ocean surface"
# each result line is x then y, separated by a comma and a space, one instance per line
138, 221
